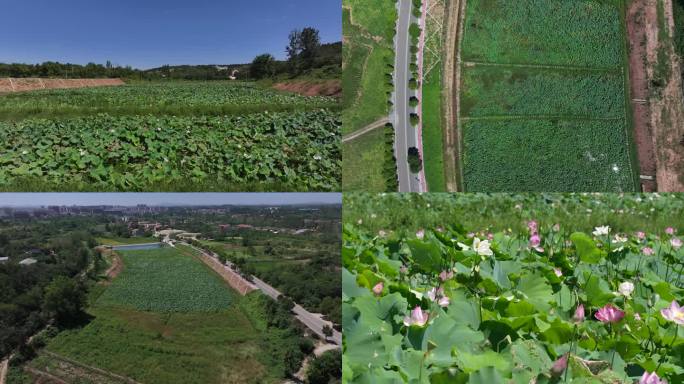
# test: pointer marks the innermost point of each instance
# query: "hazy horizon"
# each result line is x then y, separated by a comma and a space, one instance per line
165, 199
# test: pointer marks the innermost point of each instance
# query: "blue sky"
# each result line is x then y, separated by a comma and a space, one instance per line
151, 33
38, 199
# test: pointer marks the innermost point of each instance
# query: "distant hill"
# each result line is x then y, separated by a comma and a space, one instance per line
328, 64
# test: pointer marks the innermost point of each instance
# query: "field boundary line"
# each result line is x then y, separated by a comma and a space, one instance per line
542, 117
86, 366
367, 129
618, 69
457, 81
11, 84
38, 372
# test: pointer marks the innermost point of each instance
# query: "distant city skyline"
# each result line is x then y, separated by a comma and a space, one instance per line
151, 33
165, 199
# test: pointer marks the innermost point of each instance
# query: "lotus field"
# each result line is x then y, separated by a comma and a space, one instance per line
545, 303
164, 280
543, 99
184, 136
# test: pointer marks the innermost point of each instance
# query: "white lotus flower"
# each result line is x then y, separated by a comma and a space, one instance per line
599, 231
626, 288
482, 247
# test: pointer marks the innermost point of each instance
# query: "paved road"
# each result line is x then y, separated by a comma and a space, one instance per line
311, 320
406, 136
371, 127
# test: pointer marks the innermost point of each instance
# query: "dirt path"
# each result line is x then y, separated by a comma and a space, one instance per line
8, 85
320, 349
371, 127
4, 366
667, 113
640, 17
451, 104
116, 267
44, 377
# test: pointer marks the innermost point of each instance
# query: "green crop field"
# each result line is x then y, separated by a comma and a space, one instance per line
167, 318
176, 98
543, 102
180, 136
164, 280
292, 150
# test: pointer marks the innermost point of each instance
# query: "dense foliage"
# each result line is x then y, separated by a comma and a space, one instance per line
585, 33
544, 105
164, 280
529, 92
546, 155
298, 150
32, 295
407, 213
171, 97
544, 303
325, 369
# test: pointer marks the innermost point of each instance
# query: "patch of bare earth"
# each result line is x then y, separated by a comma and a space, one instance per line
312, 88
8, 85
451, 73
639, 19
665, 116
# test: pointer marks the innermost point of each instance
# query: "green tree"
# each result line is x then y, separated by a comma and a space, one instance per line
65, 300
327, 331
303, 49
325, 369
262, 66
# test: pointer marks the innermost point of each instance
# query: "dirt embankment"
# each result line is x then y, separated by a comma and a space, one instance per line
9, 85
312, 88
657, 99
236, 281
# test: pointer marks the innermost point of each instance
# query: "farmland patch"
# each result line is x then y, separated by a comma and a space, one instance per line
163, 280
543, 104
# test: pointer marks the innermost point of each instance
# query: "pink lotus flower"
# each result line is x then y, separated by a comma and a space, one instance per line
651, 378
377, 289
578, 317
674, 313
648, 251
418, 317
640, 235
420, 234
535, 241
560, 365
532, 226
670, 231
556, 227
446, 275
676, 243
558, 272
609, 314
437, 295
637, 317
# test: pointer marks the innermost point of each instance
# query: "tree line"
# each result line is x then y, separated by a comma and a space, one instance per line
305, 54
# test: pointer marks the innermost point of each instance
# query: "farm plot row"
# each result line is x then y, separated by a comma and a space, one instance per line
546, 155
176, 98
543, 99
490, 91
295, 150
163, 280
585, 33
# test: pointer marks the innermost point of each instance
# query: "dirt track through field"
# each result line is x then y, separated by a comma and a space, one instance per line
451, 105
371, 127
667, 114
10, 84
639, 18
4, 365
